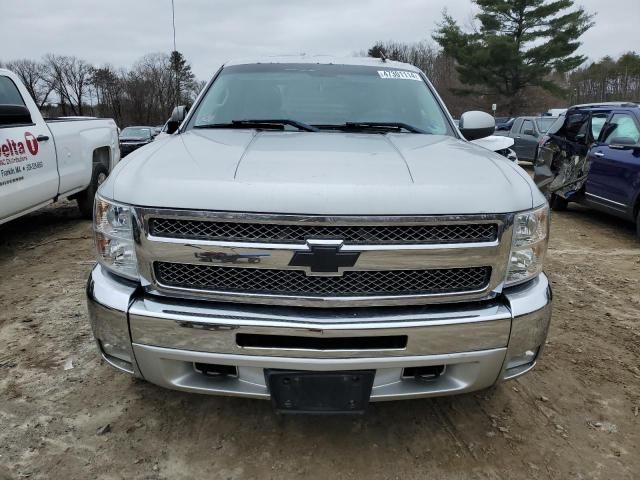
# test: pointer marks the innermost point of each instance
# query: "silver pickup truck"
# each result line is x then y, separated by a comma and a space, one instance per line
317, 232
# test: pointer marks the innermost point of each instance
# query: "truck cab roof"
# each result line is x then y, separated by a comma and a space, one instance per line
606, 105
324, 60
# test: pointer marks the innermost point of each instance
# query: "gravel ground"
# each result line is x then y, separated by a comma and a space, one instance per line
66, 415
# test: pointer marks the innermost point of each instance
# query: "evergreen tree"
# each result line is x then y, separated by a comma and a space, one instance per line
517, 45
378, 51
183, 77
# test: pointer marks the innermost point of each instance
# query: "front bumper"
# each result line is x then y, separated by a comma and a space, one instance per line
161, 340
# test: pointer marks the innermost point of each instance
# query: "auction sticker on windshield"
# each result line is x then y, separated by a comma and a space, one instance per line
398, 75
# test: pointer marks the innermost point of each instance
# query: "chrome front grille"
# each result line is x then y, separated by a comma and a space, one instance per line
256, 258
299, 233
295, 282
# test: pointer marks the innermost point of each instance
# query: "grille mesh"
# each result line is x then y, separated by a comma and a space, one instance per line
296, 282
298, 233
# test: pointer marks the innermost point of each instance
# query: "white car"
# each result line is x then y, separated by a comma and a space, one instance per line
499, 144
555, 112
44, 161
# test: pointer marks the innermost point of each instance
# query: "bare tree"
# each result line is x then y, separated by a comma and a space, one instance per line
77, 77
109, 87
34, 76
70, 78
143, 94
149, 89
421, 54
607, 79
55, 66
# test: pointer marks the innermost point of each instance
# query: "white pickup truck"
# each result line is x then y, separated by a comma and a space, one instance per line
44, 161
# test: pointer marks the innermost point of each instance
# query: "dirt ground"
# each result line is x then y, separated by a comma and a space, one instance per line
574, 417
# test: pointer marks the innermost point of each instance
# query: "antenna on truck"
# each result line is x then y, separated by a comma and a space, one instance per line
173, 21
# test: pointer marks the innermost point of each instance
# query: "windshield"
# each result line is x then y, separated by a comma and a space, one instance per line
544, 124
321, 95
135, 132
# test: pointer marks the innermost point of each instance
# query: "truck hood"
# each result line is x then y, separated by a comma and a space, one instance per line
324, 173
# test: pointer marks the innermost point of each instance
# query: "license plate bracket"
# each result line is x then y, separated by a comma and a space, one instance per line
306, 392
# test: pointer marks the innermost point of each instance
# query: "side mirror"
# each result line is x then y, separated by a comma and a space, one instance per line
476, 124
177, 116
15, 115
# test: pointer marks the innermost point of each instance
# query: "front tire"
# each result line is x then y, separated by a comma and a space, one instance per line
85, 198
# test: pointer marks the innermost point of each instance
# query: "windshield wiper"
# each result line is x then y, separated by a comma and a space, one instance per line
379, 126
273, 124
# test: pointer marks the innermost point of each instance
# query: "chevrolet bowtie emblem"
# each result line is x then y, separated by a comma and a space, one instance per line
324, 258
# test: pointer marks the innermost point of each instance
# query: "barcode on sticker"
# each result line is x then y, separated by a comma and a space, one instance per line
399, 75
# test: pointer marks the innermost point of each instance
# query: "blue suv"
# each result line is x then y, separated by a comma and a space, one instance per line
591, 155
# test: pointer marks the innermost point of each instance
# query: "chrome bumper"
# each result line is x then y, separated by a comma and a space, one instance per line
161, 339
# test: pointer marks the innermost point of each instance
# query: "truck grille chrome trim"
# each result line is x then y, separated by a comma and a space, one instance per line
299, 233
295, 282
261, 269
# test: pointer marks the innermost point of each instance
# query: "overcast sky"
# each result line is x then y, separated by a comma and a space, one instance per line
211, 32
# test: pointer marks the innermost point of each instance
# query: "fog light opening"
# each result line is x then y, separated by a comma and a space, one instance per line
523, 359
114, 351
423, 374
214, 370
116, 357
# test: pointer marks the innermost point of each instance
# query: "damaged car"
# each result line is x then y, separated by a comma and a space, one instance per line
591, 155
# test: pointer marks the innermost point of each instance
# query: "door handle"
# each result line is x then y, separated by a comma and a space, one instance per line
598, 154
42, 138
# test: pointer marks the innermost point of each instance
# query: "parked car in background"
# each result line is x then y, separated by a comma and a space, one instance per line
246, 253
592, 156
132, 138
500, 144
526, 133
42, 161
504, 123
554, 112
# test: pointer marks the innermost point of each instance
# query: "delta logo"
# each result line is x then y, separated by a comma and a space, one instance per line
12, 148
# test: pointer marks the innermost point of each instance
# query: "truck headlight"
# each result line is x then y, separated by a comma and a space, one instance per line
113, 231
530, 238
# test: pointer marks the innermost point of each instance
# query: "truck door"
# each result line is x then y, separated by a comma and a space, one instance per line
526, 141
28, 173
614, 176
515, 132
